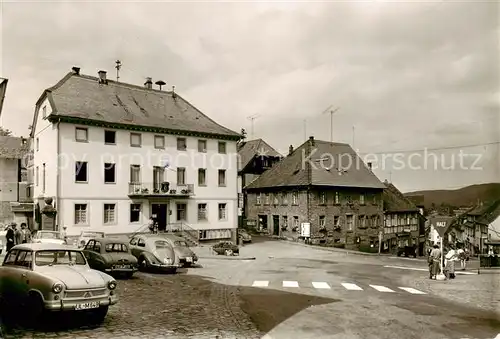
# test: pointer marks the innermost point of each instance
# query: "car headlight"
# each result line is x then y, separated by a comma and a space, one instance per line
167, 261
57, 288
112, 285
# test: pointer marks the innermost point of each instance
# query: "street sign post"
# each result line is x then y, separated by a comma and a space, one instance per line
441, 224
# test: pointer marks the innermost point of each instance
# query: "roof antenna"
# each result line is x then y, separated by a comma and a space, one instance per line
173, 92
118, 67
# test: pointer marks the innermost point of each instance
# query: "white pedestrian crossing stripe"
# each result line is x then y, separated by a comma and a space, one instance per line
381, 288
321, 285
411, 290
352, 287
290, 284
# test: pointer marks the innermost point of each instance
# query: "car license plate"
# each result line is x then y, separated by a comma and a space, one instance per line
122, 266
189, 259
87, 306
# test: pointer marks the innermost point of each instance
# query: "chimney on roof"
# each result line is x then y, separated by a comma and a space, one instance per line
311, 140
149, 83
290, 149
369, 166
173, 92
386, 182
160, 83
76, 70
102, 77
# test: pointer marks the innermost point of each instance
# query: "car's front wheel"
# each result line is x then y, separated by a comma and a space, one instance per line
35, 309
99, 314
143, 264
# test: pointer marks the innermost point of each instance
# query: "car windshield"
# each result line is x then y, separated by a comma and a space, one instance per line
93, 234
180, 243
116, 247
49, 235
161, 244
59, 257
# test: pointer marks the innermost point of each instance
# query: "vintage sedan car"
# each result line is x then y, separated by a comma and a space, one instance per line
85, 236
111, 256
40, 278
184, 254
226, 248
154, 252
48, 237
244, 236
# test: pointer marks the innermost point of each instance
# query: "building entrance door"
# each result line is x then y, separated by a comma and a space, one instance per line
262, 222
276, 225
159, 213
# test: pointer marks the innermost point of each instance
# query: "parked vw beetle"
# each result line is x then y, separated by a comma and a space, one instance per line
41, 278
154, 252
111, 256
226, 248
48, 237
184, 254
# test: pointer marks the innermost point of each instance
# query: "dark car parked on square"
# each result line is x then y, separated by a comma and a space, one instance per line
111, 256
407, 251
226, 248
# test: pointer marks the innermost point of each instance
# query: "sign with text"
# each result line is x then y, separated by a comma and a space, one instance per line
441, 224
305, 230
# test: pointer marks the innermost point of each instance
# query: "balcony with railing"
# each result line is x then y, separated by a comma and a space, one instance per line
162, 189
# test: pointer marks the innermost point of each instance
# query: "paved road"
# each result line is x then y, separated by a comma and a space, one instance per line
289, 291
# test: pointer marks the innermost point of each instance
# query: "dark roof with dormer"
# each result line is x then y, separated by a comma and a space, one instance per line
82, 99
13, 147
332, 164
250, 149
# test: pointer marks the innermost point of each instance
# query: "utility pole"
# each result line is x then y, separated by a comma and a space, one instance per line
332, 112
118, 67
252, 119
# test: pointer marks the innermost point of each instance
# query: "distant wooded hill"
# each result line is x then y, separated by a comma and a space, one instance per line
463, 197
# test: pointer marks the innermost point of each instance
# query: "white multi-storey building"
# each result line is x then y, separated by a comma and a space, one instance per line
113, 154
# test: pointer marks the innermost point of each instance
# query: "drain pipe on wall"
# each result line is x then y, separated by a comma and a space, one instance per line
58, 176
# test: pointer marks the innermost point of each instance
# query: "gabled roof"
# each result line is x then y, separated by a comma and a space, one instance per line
83, 98
395, 201
490, 214
13, 147
250, 149
331, 164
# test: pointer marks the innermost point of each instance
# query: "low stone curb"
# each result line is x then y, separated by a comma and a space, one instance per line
333, 249
228, 258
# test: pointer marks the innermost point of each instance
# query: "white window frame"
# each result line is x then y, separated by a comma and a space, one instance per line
183, 148
81, 130
177, 211
224, 181
362, 199
179, 171
79, 215
87, 172
322, 198
350, 226
204, 183
322, 221
295, 198
130, 213
258, 199
159, 141
204, 211
223, 149
285, 221
202, 143
109, 143
109, 214
222, 216
337, 198
135, 144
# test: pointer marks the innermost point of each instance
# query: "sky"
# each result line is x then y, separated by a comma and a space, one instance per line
405, 76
